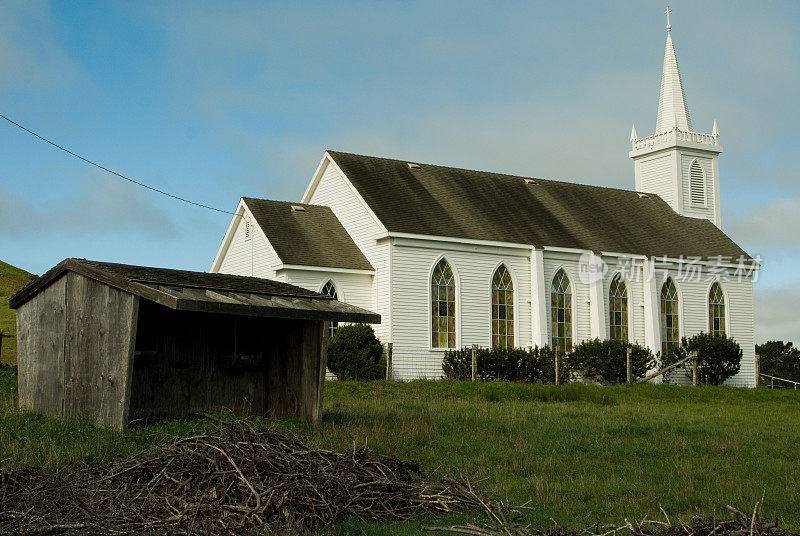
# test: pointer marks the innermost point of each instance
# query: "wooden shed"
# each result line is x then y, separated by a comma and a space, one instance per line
119, 343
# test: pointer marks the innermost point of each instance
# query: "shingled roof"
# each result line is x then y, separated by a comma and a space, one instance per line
205, 292
309, 237
435, 200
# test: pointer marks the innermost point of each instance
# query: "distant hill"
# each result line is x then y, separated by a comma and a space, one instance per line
11, 280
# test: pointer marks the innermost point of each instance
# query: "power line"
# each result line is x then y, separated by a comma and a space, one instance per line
120, 175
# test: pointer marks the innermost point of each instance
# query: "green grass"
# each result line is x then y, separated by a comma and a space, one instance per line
580, 454
11, 280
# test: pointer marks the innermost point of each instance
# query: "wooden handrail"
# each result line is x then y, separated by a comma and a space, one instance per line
657, 373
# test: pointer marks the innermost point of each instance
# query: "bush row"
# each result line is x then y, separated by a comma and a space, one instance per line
596, 361
354, 353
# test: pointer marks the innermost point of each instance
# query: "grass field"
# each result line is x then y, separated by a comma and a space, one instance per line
11, 280
580, 454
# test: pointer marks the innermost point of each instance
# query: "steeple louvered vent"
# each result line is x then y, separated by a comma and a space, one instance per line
697, 184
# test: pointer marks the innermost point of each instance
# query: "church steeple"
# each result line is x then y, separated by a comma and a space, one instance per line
676, 163
672, 109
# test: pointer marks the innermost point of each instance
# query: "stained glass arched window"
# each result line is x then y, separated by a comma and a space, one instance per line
716, 310
443, 306
670, 319
561, 312
329, 289
502, 308
618, 309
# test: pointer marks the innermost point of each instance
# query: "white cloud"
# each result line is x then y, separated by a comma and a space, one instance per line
776, 314
773, 224
30, 55
98, 206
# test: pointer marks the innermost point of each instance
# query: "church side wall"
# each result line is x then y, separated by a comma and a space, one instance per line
581, 323
253, 257
335, 192
412, 263
355, 289
739, 312
635, 298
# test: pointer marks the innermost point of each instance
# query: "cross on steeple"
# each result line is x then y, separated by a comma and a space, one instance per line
667, 12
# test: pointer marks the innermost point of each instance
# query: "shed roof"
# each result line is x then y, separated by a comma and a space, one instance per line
313, 236
435, 200
206, 292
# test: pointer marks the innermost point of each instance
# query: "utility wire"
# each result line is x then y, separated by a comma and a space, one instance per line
120, 175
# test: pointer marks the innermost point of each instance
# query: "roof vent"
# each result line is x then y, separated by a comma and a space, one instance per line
412, 165
530, 181
298, 208
644, 196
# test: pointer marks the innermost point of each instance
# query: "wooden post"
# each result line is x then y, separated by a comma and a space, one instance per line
1, 345
388, 361
629, 364
558, 381
694, 370
757, 364
474, 361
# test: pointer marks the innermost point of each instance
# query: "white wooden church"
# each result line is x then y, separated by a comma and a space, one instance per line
452, 257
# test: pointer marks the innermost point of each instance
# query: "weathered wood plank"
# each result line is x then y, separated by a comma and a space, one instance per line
133, 321
323, 367
99, 329
41, 330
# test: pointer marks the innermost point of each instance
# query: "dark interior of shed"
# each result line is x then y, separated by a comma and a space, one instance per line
186, 363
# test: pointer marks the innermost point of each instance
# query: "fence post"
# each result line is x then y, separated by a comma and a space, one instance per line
474, 361
1, 345
758, 369
630, 365
558, 381
388, 361
694, 370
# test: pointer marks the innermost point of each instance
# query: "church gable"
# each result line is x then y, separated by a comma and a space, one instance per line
266, 236
307, 235
245, 249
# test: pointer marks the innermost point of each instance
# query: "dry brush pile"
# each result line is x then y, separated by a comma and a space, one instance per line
246, 481
736, 523
240, 481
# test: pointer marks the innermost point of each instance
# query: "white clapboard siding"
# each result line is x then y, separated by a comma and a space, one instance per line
656, 175
739, 312
254, 256
381, 290
355, 289
413, 356
334, 191
689, 208
581, 329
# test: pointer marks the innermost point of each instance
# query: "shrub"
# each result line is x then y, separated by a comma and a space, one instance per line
354, 353
606, 361
718, 357
779, 359
535, 365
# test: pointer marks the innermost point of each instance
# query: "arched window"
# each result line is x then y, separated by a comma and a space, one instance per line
697, 184
716, 310
618, 309
502, 308
561, 312
443, 306
670, 321
329, 289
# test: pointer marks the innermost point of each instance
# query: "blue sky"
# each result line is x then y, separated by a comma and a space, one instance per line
213, 101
